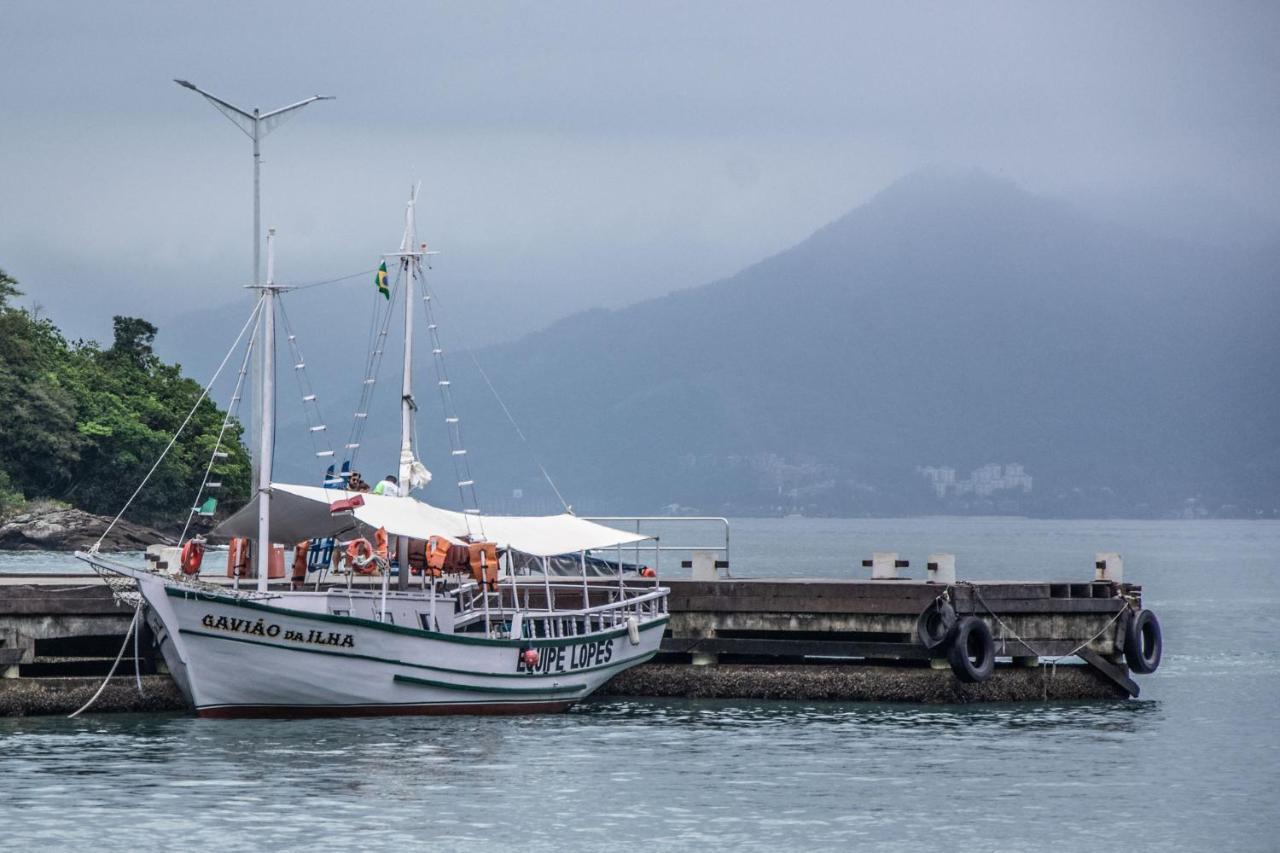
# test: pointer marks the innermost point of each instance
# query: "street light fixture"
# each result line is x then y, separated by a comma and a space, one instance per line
255, 125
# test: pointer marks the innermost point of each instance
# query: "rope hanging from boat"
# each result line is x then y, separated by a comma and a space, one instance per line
133, 630
253, 315
453, 424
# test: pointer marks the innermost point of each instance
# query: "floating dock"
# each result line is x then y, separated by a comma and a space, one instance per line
797, 639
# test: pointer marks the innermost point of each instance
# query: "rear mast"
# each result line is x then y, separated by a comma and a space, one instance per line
410, 258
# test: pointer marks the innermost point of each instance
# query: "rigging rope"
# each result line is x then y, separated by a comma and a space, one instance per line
232, 408
310, 401
373, 366
546, 475
312, 284
203, 393
453, 424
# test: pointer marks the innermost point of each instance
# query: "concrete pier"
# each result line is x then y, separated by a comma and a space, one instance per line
819, 639
859, 683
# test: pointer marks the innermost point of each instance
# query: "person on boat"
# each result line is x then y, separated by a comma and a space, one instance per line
388, 486
356, 483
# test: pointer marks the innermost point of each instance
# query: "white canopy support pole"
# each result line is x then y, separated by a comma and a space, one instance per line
266, 436
434, 626
515, 590
546, 583
386, 581
586, 594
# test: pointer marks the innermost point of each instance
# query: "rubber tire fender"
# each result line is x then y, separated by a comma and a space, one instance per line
1143, 642
973, 651
937, 625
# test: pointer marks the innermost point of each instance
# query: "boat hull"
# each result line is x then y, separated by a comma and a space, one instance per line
234, 657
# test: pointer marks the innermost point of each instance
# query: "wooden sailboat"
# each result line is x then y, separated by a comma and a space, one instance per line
496, 637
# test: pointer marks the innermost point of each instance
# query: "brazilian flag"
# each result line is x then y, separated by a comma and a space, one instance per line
380, 279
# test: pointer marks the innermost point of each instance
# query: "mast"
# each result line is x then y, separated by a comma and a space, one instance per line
255, 125
409, 259
266, 435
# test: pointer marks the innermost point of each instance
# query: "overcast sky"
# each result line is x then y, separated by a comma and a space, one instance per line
577, 155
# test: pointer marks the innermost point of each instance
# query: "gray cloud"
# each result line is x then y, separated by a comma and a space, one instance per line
575, 155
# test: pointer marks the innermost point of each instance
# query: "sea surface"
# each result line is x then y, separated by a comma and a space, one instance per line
1194, 764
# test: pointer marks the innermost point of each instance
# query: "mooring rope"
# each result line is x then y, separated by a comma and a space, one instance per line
1051, 660
137, 611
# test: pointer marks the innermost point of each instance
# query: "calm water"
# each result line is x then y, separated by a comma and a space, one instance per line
1192, 765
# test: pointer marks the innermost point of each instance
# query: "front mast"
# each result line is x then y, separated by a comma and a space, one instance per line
266, 448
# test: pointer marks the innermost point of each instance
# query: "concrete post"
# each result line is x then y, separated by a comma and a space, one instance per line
704, 565
942, 568
884, 565
1108, 566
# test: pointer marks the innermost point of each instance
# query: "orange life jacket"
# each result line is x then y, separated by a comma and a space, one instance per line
484, 563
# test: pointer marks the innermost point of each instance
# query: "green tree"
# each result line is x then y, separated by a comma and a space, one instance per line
133, 339
85, 424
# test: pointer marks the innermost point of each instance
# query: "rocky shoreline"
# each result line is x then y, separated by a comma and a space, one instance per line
68, 529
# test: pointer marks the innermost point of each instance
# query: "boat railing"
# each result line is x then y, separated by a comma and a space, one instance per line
507, 612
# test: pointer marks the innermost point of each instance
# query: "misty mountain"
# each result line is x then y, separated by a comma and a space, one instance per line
953, 321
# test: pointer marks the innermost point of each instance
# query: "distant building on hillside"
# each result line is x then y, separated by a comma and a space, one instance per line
981, 482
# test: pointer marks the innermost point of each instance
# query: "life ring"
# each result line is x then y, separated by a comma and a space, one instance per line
192, 556
1143, 642
937, 625
973, 651
360, 556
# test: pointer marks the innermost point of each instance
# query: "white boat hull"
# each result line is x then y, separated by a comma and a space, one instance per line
235, 657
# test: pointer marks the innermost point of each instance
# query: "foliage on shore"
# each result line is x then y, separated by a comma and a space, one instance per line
83, 424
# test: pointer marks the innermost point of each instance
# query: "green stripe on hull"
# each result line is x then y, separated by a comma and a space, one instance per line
542, 642
395, 662
471, 688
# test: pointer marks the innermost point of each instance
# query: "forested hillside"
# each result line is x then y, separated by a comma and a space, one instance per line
83, 424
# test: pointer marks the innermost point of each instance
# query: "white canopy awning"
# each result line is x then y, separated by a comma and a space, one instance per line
302, 512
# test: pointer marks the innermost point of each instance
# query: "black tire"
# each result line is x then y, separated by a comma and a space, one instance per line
1143, 643
973, 651
936, 625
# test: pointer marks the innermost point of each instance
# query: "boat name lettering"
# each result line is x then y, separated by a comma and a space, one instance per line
567, 658
261, 628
